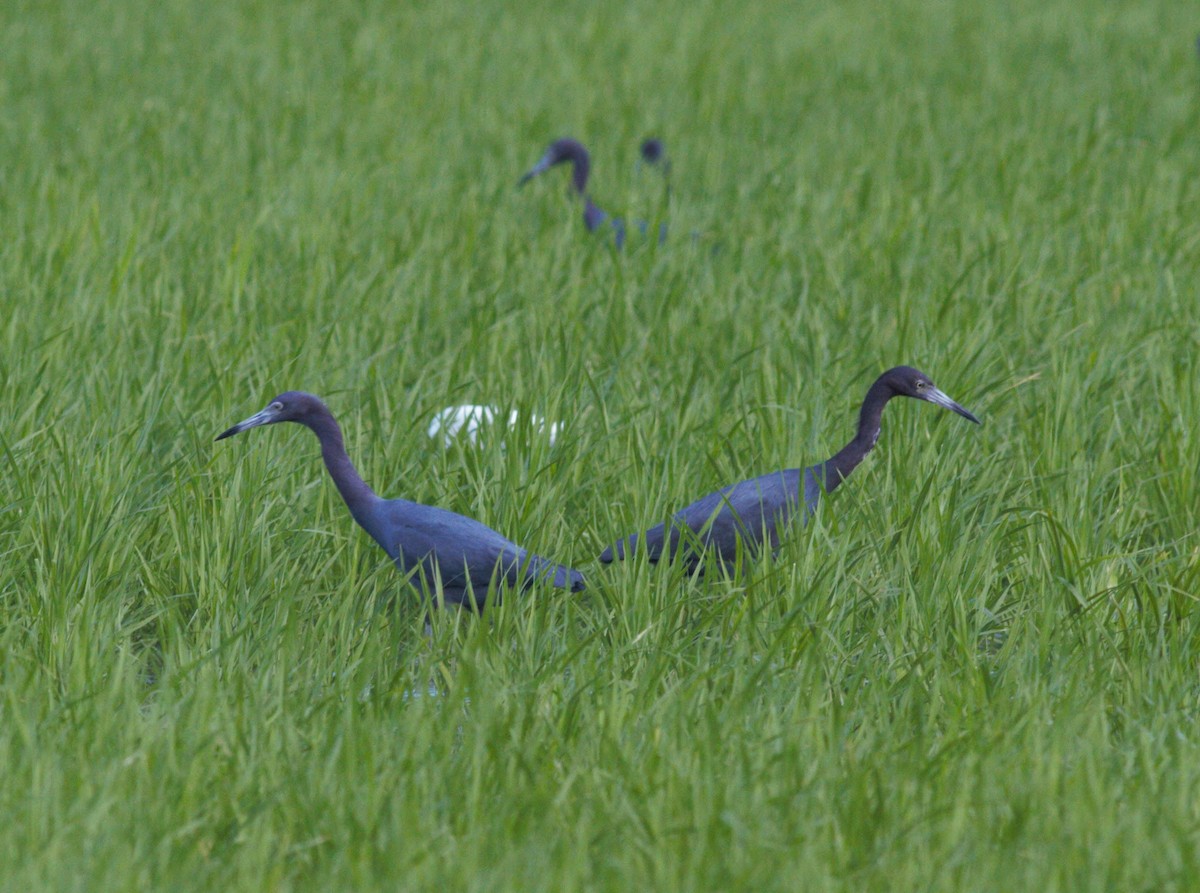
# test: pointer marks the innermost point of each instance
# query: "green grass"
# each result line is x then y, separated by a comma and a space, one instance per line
976, 671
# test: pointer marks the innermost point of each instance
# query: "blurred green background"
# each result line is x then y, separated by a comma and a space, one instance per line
976, 670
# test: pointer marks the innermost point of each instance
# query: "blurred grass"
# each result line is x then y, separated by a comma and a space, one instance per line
976, 670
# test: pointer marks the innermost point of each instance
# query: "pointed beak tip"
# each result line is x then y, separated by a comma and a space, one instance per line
266, 417
966, 414
939, 398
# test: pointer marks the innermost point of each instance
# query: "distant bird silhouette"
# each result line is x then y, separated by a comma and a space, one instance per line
425, 542
654, 152
759, 509
594, 218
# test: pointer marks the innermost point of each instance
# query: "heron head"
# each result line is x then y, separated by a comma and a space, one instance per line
909, 382
560, 150
290, 406
652, 151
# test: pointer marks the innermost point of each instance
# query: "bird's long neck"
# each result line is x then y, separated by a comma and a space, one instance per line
664, 167
593, 217
581, 165
838, 467
333, 450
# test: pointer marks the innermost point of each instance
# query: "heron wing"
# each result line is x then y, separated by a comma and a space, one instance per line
463, 552
749, 512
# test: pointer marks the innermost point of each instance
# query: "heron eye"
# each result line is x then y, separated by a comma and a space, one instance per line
277, 406
920, 385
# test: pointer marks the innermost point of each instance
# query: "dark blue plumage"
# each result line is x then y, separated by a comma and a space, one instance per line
594, 217
654, 152
759, 509
427, 542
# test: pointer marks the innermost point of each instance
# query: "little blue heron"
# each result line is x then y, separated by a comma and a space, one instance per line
654, 152
431, 543
571, 150
470, 419
760, 508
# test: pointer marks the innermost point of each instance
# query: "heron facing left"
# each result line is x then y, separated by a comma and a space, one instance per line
565, 150
431, 544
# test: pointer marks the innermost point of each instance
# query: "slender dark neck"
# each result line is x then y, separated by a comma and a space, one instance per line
580, 165
593, 217
838, 467
333, 450
664, 167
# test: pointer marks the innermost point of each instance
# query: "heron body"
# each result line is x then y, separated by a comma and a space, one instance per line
757, 511
427, 543
573, 151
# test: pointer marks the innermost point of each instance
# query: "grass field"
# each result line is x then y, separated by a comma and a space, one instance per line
976, 670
